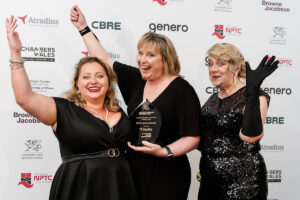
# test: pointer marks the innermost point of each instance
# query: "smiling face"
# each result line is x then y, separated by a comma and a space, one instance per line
219, 73
150, 62
92, 82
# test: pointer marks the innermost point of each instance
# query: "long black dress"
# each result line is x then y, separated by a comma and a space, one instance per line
230, 168
80, 132
158, 178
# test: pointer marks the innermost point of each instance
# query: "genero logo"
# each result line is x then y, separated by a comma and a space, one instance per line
154, 27
277, 91
38, 21
274, 6
221, 31
106, 25
28, 180
43, 54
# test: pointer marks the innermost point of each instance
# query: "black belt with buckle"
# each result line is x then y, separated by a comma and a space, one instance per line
110, 153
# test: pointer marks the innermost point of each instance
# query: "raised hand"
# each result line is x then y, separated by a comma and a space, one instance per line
77, 18
254, 78
13, 39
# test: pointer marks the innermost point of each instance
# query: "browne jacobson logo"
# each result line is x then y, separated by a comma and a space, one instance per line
26, 180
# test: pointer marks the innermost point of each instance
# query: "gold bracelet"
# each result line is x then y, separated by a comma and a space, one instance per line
16, 62
16, 66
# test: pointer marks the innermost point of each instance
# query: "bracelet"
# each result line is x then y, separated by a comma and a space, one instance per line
14, 66
85, 31
16, 62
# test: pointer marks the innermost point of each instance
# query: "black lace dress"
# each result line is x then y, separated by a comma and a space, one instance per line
230, 168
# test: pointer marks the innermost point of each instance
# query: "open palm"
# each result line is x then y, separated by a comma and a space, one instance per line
13, 38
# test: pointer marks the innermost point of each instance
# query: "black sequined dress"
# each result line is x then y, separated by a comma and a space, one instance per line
230, 168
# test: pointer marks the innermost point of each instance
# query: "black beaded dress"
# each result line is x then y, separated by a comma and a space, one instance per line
230, 168
100, 178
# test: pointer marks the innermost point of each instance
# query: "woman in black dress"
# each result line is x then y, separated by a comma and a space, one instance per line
91, 129
231, 166
156, 79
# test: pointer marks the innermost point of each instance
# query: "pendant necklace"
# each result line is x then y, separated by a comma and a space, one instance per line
101, 117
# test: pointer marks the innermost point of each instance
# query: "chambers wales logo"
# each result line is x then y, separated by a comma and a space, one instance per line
39, 21
43, 54
221, 31
26, 180
275, 176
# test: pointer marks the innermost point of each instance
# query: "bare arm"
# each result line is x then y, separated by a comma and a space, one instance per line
39, 106
179, 147
263, 111
92, 44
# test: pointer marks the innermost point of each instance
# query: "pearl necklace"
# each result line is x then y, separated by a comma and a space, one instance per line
101, 117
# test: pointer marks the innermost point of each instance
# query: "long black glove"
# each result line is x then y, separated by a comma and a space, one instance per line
252, 123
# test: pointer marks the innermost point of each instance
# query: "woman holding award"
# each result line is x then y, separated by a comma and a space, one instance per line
164, 109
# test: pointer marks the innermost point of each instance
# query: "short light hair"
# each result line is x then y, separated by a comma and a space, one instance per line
231, 54
167, 49
110, 101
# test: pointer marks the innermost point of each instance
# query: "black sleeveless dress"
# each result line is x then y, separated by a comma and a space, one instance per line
230, 168
103, 178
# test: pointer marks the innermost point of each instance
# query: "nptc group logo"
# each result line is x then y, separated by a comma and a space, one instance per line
222, 31
26, 180
161, 2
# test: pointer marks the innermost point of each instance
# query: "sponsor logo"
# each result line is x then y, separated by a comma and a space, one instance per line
272, 148
161, 2
85, 53
284, 62
41, 86
223, 6
222, 31
275, 120
279, 35
277, 91
114, 56
33, 149
26, 179
39, 21
274, 176
274, 6
153, 27
212, 90
25, 118
106, 25
44, 54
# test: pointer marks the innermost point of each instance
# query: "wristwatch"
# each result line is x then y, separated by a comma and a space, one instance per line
170, 154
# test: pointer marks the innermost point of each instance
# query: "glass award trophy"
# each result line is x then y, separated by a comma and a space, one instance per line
146, 121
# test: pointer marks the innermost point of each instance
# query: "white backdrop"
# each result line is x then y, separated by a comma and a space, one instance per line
29, 149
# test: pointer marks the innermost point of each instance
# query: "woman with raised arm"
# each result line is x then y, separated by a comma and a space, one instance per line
91, 128
231, 166
160, 167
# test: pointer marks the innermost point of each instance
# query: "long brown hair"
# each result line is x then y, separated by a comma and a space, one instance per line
110, 101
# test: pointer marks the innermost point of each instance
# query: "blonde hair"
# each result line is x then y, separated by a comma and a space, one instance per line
167, 49
231, 54
110, 101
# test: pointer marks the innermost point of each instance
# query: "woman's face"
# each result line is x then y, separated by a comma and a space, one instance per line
150, 62
92, 82
219, 73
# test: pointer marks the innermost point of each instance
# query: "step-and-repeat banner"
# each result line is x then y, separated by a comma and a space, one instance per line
29, 151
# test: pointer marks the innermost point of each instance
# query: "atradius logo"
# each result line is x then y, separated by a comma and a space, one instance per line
114, 56
168, 27
25, 118
221, 31
272, 148
43, 54
26, 179
274, 6
39, 21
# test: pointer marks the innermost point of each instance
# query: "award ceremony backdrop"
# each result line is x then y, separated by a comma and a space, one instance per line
29, 151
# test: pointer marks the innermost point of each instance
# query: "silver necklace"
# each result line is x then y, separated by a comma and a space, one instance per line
101, 117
